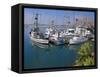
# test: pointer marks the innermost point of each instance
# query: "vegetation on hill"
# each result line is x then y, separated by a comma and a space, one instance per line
86, 55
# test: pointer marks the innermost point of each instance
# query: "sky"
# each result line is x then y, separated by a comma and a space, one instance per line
60, 17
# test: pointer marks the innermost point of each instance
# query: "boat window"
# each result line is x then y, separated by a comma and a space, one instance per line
71, 31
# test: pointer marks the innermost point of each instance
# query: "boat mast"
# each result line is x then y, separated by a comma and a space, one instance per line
36, 29
52, 23
67, 19
36, 20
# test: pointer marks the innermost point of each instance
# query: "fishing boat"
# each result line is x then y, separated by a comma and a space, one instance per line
78, 40
57, 39
48, 32
36, 35
53, 35
37, 38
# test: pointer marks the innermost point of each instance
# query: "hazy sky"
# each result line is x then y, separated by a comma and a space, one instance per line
59, 16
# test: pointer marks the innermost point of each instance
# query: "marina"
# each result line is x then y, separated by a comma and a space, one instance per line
53, 40
48, 55
76, 35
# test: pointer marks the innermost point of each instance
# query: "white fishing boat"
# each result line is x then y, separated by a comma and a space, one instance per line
81, 35
77, 40
59, 41
56, 39
36, 35
48, 32
38, 39
53, 35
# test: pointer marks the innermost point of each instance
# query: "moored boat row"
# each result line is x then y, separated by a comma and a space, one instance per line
75, 35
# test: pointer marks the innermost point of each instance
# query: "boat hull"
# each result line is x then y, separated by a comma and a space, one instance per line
58, 41
77, 41
41, 41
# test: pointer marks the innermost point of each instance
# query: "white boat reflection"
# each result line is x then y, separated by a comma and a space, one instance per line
40, 45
